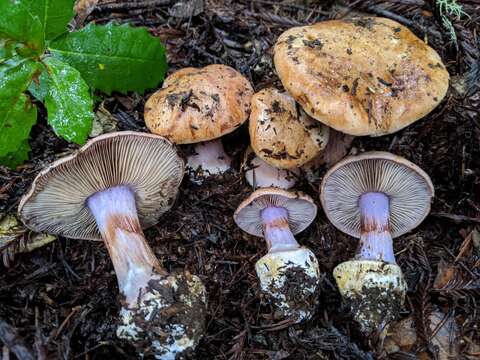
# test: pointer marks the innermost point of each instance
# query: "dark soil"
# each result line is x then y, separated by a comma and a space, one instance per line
61, 301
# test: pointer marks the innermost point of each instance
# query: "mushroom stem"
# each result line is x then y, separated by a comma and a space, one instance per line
211, 157
134, 262
276, 231
375, 238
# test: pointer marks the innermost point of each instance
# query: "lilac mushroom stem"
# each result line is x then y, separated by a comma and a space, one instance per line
134, 262
375, 238
276, 231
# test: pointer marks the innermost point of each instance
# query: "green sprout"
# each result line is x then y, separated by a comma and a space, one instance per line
448, 8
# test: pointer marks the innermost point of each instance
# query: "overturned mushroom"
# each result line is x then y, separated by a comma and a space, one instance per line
110, 189
200, 106
282, 135
375, 196
260, 174
288, 273
363, 76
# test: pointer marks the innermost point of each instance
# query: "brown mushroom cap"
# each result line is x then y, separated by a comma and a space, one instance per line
408, 187
147, 163
281, 135
301, 210
364, 76
199, 104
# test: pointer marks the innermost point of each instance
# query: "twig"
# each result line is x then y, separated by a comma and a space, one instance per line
458, 219
281, 20
129, 5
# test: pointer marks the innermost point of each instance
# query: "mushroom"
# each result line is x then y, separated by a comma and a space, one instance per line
199, 106
288, 273
375, 196
282, 135
258, 173
361, 76
110, 189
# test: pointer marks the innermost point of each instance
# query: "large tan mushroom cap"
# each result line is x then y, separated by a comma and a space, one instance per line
300, 207
199, 104
365, 76
282, 135
147, 163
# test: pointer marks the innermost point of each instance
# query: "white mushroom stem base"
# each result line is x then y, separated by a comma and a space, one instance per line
374, 290
209, 159
162, 314
375, 238
262, 174
288, 274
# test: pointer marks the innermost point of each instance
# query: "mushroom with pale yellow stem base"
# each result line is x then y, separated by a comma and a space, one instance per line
198, 106
375, 291
110, 189
288, 273
363, 76
375, 196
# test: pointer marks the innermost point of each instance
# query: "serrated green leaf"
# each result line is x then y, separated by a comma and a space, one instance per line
114, 57
19, 23
18, 157
68, 102
53, 14
17, 113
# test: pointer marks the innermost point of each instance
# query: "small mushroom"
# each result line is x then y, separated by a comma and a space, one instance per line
196, 106
110, 189
282, 134
361, 76
375, 196
260, 174
288, 273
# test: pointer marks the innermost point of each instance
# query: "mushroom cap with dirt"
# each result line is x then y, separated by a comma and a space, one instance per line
375, 196
200, 105
288, 273
110, 189
361, 76
282, 134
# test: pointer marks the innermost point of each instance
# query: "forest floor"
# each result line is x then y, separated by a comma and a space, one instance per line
60, 301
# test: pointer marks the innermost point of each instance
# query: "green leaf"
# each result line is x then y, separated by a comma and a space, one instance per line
114, 57
13, 159
39, 86
68, 102
7, 49
19, 23
53, 14
17, 113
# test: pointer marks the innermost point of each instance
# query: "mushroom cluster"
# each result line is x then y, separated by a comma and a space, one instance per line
365, 76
